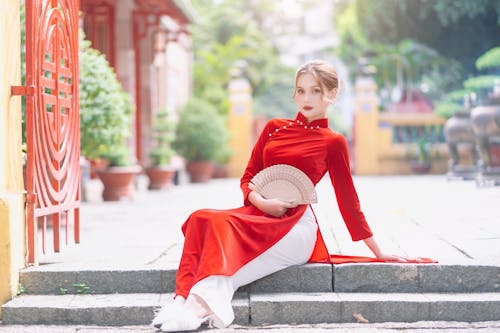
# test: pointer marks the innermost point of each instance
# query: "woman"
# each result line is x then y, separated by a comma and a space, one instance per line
226, 249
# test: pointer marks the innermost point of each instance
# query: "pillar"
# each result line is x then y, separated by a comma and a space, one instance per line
239, 123
12, 227
365, 126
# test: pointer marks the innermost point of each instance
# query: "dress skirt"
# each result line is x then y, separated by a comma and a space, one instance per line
295, 248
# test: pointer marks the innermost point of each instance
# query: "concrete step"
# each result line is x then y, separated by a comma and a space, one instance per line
49, 281
307, 278
259, 309
101, 310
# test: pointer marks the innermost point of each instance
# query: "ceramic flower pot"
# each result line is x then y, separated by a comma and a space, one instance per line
200, 171
118, 182
160, 177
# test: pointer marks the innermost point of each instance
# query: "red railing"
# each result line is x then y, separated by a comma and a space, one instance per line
52, 121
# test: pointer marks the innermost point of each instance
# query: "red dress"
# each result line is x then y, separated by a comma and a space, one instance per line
219, 242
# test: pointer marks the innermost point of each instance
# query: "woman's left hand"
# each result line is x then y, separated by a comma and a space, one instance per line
392, 258
372, 244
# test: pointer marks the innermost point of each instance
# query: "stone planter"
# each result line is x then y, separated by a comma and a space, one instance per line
221, 171
160, 177
485, 121
118, 182
420, 167
458, 132
200, 171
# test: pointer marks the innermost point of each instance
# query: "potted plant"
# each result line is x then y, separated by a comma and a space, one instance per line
200, 134
105, 110
421, 161
118, 177
221, 162
160, 173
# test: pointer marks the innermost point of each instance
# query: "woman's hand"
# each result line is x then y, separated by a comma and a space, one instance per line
372, 244
392, 258
273, 207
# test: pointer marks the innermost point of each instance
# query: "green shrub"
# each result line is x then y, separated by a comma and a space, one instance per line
163, 134
200, 132
489, 60
105, 109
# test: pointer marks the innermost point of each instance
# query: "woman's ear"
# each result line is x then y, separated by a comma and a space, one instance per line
332, 95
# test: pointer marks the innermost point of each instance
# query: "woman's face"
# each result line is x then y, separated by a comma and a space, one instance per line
309, 98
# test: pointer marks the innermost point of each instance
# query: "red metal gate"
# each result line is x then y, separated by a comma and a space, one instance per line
52, 120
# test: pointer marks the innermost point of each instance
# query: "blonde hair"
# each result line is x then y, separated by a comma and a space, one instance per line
324, 74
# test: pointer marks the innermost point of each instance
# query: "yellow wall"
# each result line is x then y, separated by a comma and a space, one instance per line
365, 123
239, 124
12, 250
374, 150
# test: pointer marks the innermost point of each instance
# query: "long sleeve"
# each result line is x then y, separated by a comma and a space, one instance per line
255, 163
345, 192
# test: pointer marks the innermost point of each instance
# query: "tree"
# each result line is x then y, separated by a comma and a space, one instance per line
451, 27
225, 33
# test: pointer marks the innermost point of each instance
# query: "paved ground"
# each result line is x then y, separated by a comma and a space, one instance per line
427, 216
420, 327
453, 222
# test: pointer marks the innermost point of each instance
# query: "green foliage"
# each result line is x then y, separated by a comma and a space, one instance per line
119, 156
277, 101
227, 32
223, 155
403, 63
82, 288
420, 151
21, 290
457, 96
481, 84
452, 27
200, 131
105, 109
447, 109
489, 60
163, 131
353, 41
451, 103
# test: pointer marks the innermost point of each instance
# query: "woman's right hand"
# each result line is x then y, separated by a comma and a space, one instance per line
273, 207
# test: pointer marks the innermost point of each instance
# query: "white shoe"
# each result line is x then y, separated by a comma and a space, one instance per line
179, 317
163, 314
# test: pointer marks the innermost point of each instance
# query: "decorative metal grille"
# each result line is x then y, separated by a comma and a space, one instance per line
52, 121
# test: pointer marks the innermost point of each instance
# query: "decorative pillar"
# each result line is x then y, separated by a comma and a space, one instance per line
12, 226
366, 126
239, 123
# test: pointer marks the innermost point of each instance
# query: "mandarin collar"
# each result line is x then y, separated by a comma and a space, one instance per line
323, 122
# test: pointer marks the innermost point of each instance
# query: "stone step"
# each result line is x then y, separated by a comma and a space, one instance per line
306, 278
258, 309
47, 281
373, 307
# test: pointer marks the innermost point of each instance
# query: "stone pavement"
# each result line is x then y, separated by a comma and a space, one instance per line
454, 222
419, 327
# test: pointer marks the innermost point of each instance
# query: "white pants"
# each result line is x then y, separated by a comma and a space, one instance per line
295, 248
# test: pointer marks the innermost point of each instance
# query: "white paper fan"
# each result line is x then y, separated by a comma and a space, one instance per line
284, 182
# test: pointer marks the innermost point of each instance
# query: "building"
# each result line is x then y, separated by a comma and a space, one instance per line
148, 44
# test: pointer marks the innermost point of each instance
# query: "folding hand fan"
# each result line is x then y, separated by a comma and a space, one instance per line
284, 182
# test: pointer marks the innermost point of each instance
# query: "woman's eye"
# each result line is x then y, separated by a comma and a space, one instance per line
300, 91
317, 91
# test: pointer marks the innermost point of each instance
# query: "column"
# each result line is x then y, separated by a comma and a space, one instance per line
239, 123
365, 126
12, 230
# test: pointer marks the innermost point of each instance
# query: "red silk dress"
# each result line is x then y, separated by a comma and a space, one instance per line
219, 242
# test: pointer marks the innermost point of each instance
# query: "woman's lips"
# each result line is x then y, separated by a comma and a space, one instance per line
307, 108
